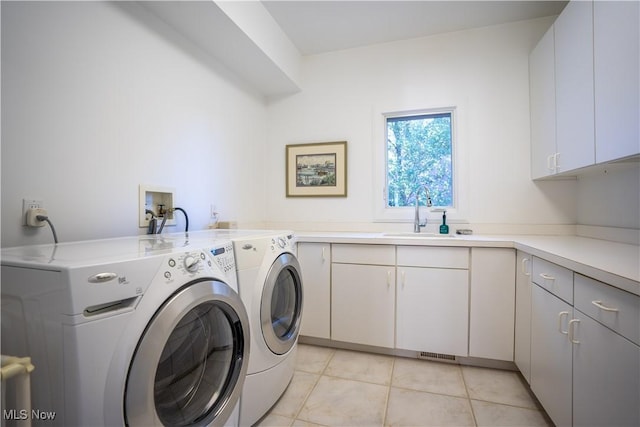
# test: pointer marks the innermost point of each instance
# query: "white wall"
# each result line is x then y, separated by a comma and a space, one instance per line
483, 72
99, 98
610, 197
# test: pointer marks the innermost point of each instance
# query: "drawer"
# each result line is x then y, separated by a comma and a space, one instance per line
614, 308
557, 280
363, 254
430, 256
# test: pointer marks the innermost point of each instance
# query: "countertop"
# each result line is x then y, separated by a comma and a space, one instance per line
617, 264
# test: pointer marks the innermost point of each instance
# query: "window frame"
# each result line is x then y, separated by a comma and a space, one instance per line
384, 213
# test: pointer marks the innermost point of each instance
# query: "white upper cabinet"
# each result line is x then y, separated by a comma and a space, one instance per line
584, 88
542, 98
574, 87
617, 89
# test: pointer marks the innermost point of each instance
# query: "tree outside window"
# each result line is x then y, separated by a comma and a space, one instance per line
419, 153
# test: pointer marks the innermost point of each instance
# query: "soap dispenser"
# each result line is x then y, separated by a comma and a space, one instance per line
444, 228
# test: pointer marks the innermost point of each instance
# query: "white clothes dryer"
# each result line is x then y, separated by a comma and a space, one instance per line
270, 283
133, 331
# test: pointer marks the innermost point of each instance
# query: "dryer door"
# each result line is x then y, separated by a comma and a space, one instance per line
190, 364
281, 306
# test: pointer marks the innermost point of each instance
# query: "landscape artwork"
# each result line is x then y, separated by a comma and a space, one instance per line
316, 169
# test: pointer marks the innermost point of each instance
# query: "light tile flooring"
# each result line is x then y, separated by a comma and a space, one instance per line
332, 387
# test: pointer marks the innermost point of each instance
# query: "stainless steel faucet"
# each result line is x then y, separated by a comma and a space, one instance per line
416, 221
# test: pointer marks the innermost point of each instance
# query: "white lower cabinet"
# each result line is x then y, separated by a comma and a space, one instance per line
606, 376
433, 299
363, 288
315, 261
606, 355
522, 338
363, 304
432, 310
551, 354
491, 311
585, 349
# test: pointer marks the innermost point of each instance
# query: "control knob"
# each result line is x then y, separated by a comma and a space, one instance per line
281, 242
191, 263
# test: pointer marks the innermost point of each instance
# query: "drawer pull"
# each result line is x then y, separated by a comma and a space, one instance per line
525, 271
323, 259
572, 331
560, 316
603, 307
547, 277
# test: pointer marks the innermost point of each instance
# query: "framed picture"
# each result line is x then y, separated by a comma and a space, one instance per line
317, 170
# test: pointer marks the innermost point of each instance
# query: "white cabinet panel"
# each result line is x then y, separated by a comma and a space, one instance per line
364, 254
432, 310
542, 103
492, 303
436, 257
617, 86
606, 376
574, 86
522, 346
315, 261
363, 304
551, 354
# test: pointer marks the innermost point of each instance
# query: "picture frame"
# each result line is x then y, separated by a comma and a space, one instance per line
316, 169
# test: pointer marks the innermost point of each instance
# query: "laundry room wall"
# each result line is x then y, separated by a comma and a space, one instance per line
98, 98
483, 72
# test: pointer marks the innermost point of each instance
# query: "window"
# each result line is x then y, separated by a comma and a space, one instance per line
419, 153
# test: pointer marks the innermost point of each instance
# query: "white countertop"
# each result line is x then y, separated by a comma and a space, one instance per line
617, 264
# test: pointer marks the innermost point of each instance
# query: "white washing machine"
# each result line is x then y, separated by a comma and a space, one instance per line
133, 331
270, 283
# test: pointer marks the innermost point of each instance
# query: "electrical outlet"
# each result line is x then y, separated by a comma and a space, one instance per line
32, 217
28, 204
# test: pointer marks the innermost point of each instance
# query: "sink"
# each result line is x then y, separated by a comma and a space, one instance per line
419, 235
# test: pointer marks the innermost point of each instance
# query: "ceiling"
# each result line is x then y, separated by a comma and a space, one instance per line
322, 26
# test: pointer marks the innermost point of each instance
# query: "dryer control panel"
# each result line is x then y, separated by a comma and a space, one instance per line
282, 242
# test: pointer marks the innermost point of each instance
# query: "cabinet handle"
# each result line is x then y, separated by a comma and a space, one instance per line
571, 329
323, 254
560, 316
549, 166
547, 277
388, 278
402, 277
603, 307
525, 262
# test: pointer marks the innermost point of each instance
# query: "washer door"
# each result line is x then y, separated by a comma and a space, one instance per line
281, 306
190, 364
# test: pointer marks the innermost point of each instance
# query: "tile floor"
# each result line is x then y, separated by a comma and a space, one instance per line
332, 387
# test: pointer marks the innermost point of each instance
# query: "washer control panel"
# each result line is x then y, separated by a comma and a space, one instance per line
223, 257
187, 263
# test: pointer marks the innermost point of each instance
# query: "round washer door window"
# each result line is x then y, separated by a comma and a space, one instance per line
281, 308
189, 366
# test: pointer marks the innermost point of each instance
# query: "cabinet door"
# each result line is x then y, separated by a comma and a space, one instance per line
551, 354
606, 376
315, 261
574, 86
493, 291
363, 304
522, 348
432, 310
542, 100
617, 87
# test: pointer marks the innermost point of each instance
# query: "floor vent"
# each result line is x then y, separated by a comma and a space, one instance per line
438, 356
